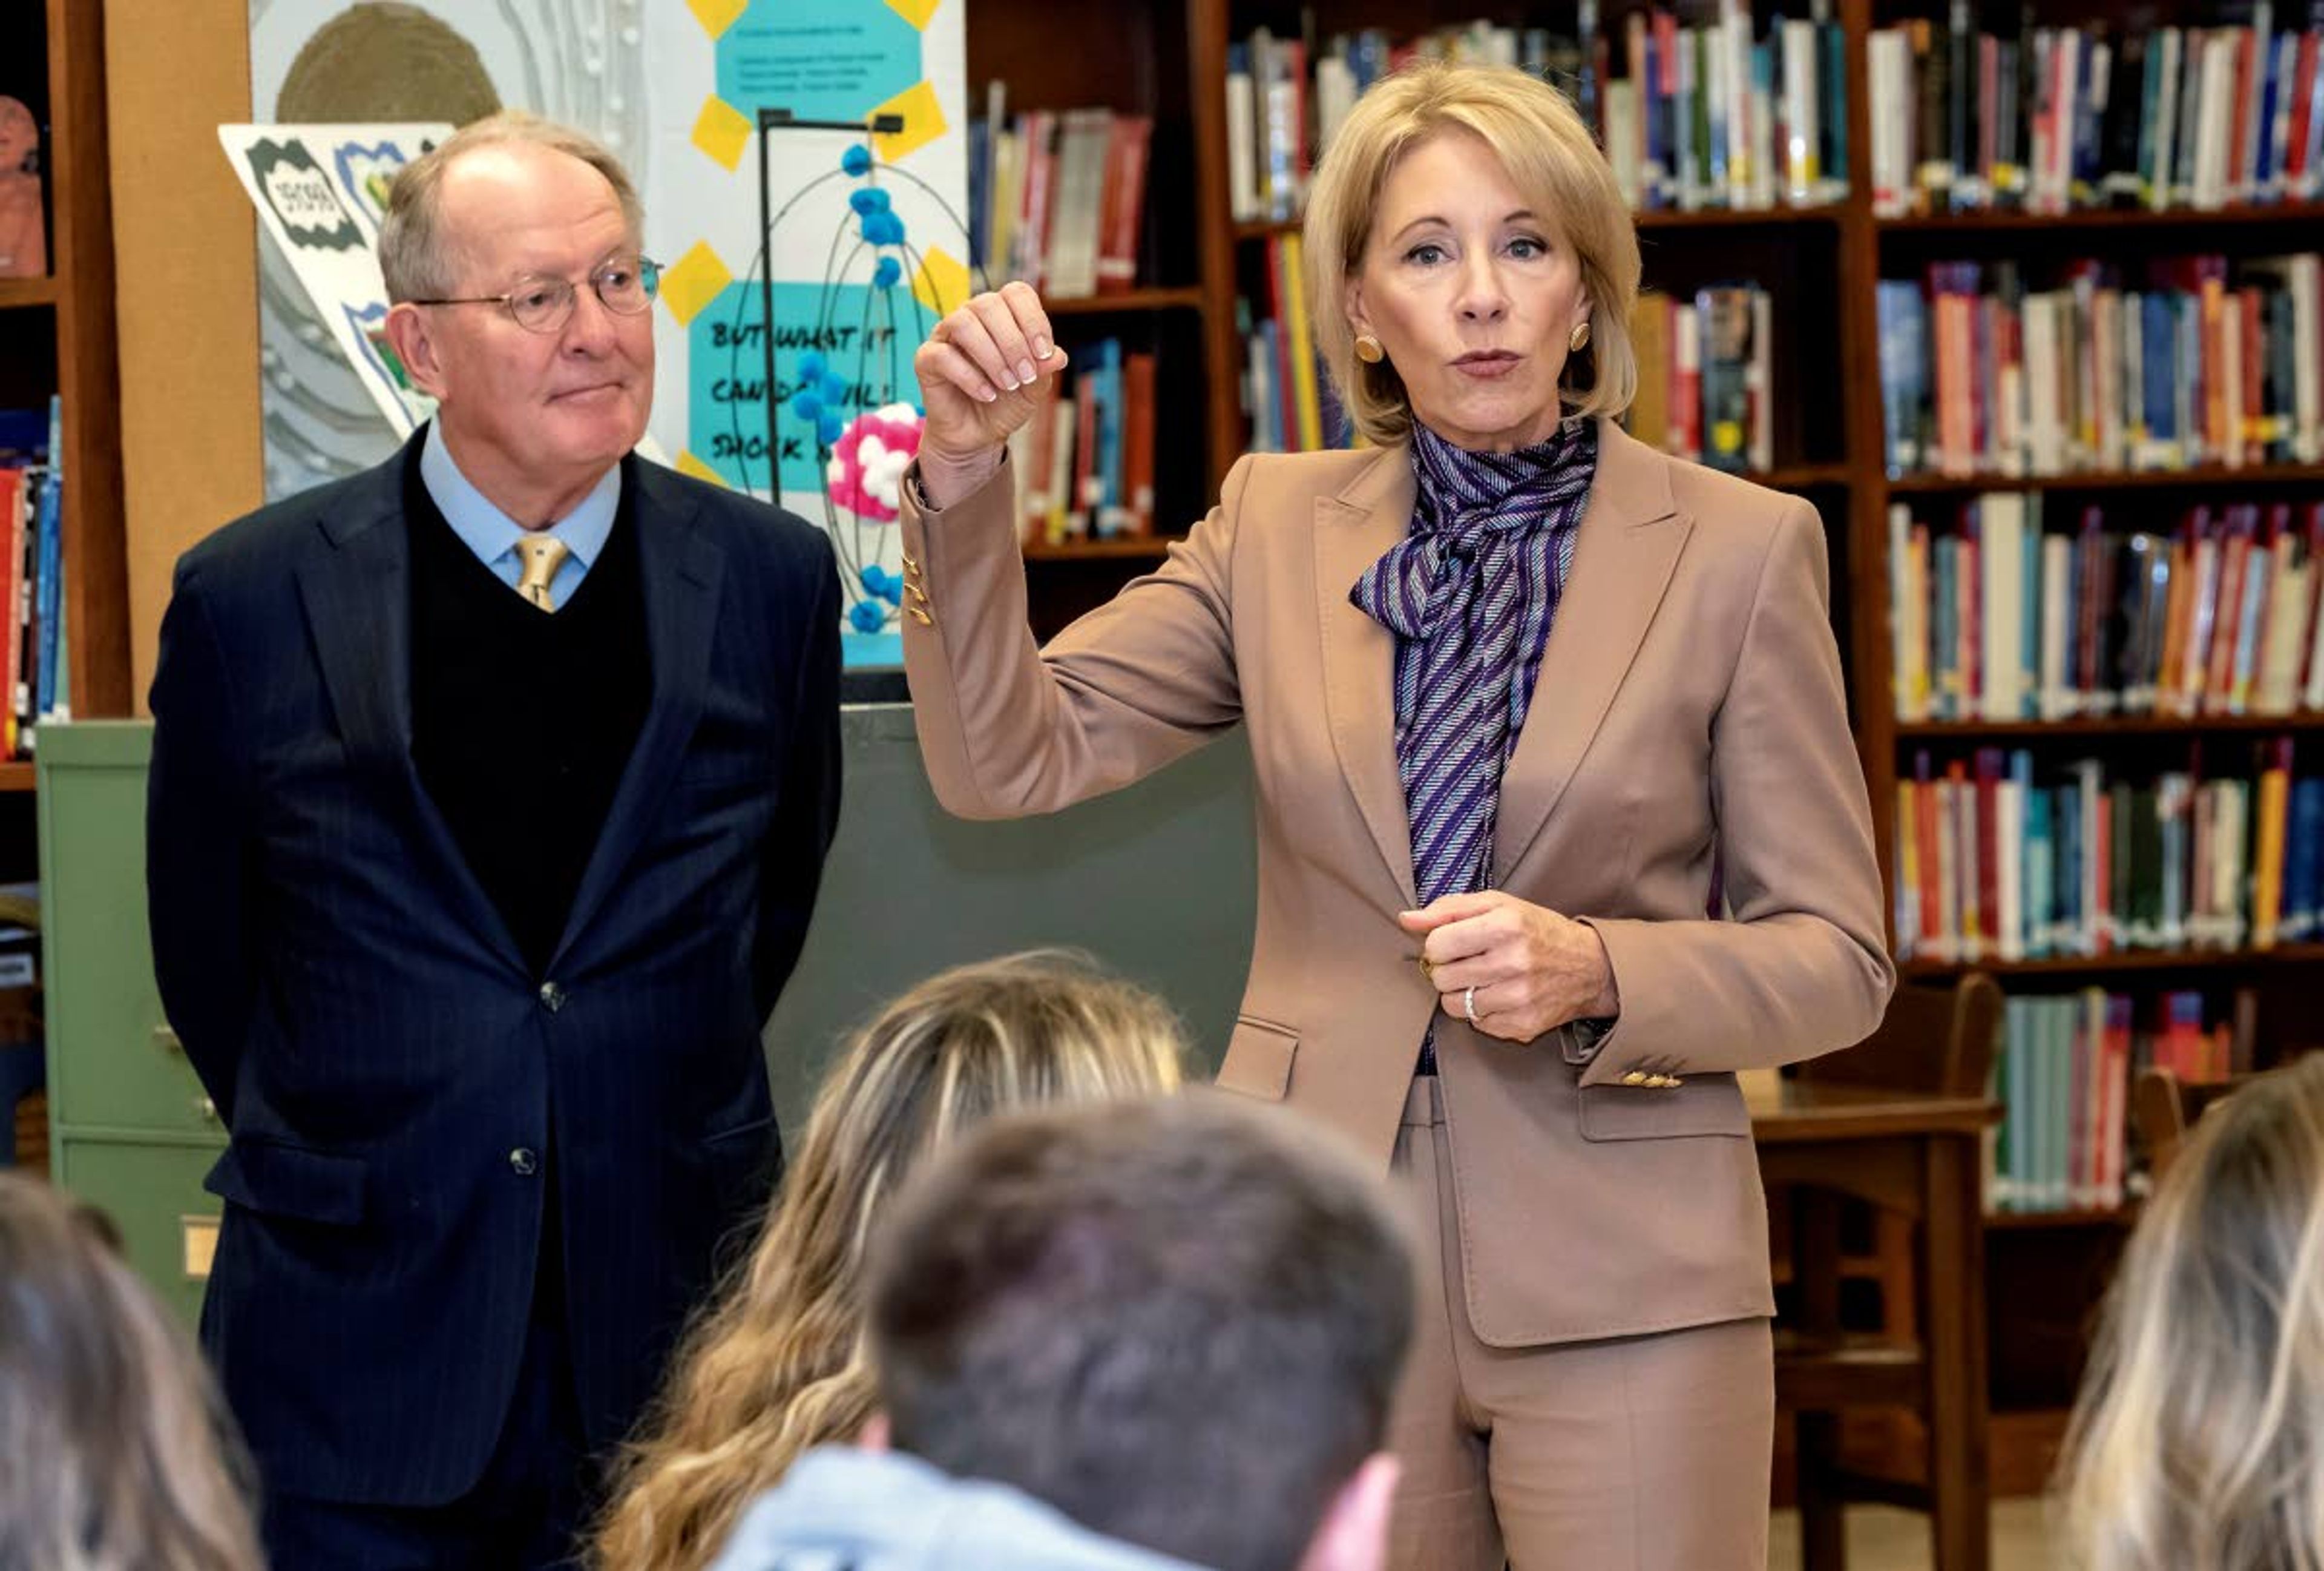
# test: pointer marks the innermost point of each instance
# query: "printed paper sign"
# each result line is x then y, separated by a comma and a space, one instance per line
319, 191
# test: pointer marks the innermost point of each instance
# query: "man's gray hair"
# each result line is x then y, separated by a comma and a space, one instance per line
414, 254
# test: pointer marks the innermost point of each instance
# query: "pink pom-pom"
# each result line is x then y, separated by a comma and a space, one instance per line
866, 471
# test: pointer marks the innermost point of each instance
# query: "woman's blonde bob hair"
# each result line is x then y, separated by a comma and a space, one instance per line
1552, 160
778, 1364
2198, 1444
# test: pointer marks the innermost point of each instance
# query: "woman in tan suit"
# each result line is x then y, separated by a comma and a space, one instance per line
1560, 819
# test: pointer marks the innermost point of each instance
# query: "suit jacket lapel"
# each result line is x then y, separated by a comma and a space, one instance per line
1352, 531
679, 570
358, 595
1631, 536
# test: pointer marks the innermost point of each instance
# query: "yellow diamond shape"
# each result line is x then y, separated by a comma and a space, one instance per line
692, 281
687, 464
916, 11
716, 16
722, 132
941, 283
924, 122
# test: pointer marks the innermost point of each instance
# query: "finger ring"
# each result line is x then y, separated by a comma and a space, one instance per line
1469, 1005
1428, 967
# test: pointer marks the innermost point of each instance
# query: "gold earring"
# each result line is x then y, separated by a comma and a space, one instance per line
1369, 349
1579, 339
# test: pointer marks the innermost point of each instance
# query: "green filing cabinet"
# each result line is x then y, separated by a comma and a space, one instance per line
1157, 880
130, 1128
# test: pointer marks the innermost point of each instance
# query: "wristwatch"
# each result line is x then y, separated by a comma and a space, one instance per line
1582, 1038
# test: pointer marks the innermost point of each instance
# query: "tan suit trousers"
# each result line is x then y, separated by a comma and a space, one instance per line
1624, 1454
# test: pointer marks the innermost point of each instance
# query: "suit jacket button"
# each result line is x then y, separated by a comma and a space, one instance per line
552, 996
1635, 1077
523, 1162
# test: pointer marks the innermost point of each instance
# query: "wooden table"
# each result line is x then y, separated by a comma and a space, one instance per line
1919, 1156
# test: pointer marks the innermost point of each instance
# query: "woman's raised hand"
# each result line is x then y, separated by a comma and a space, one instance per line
979, 371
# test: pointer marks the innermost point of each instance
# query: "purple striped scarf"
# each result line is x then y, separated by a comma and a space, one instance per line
1469, 593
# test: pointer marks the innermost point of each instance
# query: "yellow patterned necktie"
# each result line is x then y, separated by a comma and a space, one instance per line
542, 555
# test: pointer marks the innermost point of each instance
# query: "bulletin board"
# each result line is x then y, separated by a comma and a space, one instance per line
676, 88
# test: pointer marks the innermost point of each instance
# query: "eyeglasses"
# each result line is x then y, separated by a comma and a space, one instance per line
624, 285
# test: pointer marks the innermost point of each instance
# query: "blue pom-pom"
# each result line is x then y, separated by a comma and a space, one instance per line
833, 389
810, 366
872, 577
867, 615
883, 229
806, 404
865, 201
880, 199
828, 426
891, 589
857, 160
888, 274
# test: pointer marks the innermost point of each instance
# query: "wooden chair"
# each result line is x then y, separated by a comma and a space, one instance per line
2163, 1108
1935, 1042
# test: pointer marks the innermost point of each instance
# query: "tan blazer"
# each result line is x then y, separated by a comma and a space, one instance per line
1689, 710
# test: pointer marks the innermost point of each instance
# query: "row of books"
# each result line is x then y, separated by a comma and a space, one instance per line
34, 685
1287, 396
1995, 617
1722, 115
1059, 199
1287, 98
2063, 1073
2062, 1076
1998, 858
2193, 360
2055, 118
1085, 462
1706, 388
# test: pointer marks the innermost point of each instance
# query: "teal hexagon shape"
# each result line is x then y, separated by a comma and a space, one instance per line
822, 59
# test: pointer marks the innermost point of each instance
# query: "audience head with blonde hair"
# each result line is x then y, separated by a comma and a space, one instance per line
2198, 1444
116, 1454
779, 1364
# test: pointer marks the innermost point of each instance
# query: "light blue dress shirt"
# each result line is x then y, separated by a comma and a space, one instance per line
493, 534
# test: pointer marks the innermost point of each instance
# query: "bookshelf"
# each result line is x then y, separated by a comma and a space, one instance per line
1824, 262
56, 336
57, 339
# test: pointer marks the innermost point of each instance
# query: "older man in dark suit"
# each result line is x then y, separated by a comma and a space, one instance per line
489, 792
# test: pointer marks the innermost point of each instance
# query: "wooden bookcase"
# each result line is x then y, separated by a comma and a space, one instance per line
56, 338
1168, 57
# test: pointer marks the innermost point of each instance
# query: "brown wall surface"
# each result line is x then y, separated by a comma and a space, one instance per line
185, 243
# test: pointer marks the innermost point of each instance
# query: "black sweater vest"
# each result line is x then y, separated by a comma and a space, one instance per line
522, 722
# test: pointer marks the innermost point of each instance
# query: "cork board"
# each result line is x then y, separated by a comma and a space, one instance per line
187, 267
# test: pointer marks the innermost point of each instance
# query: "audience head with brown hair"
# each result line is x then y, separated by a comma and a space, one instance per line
2198, 1444
116, 1454
780, 1364
1148, 1336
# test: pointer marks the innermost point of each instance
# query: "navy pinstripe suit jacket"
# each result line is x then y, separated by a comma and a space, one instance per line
401, 1088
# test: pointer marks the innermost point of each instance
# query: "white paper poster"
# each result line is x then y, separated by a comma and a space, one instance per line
319, 191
